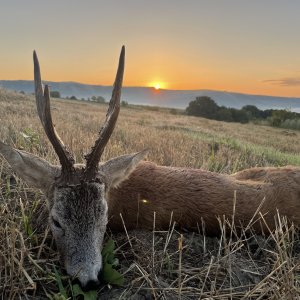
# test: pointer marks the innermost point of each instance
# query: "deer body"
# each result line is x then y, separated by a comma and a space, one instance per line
195, 194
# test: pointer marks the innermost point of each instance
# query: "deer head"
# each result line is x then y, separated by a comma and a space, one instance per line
77, 194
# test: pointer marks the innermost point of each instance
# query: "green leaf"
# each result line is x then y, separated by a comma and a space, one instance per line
109, 258
115, 262
108, 248
61, 288
76, 290
109, 274
112, 276
58, 297
90, 295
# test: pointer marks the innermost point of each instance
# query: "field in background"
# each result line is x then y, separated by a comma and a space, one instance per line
153, 263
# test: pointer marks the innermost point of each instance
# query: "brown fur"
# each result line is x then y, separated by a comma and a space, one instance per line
192, 194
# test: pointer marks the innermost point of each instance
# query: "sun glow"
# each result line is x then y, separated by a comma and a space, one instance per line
157, 85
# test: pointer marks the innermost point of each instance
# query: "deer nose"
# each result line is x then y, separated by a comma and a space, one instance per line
89, 279
91, 285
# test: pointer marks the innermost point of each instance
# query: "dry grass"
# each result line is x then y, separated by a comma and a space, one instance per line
156, 265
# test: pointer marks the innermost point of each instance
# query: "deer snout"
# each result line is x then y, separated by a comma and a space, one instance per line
89, 278
87, 275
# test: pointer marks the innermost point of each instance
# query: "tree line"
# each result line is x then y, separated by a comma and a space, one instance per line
207, 108
98, 99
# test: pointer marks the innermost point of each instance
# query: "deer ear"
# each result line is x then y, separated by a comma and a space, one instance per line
118, 169
34, 170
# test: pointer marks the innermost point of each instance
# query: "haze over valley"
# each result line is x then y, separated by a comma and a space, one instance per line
160, 97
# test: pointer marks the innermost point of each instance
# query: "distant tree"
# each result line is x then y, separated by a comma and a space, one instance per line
267, 113
124, 103
239, 115
22, 92
203, 107
55, 94
100, 99
280, 115
253, 111
224, 114
73, 98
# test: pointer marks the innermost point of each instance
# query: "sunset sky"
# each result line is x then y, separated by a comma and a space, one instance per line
242, 46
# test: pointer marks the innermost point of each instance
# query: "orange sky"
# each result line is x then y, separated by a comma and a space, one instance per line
250, 47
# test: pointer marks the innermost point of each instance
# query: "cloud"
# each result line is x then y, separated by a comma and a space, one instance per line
288, 81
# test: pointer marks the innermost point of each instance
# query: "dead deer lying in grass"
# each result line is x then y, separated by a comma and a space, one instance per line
82, 198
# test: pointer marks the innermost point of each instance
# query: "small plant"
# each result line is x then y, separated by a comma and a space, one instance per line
109, 274
63, 294
77, 291
74, 290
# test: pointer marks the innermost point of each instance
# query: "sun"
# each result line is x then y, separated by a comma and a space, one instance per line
157, 86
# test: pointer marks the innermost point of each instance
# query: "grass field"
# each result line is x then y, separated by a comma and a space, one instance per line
156, 265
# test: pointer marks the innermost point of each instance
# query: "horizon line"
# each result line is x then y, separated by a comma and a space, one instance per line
161, 89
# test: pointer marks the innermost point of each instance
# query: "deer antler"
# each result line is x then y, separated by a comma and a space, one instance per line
93, 157
43, 107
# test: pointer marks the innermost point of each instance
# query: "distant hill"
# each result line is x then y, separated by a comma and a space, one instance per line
165, 98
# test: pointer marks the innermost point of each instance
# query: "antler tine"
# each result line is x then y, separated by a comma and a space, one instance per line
94, 156
43, 108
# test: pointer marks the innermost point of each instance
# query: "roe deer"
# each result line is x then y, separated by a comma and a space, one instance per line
82, 199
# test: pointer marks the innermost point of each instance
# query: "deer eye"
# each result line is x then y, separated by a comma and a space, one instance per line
56, 223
